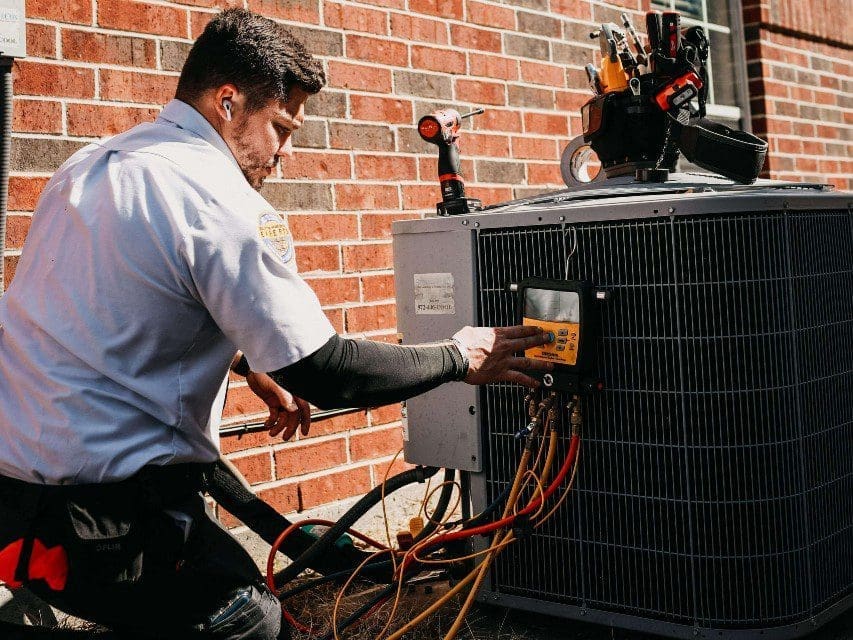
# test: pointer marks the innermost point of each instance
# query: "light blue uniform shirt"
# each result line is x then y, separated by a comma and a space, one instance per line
149, 262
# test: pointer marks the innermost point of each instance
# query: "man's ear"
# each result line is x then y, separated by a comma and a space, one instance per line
227, 100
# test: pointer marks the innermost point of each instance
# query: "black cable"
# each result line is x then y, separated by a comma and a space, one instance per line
327, 540
440, 506
229, 492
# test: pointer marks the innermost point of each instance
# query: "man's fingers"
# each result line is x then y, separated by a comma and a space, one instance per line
305, 415
527, 364
518, 331
520, 378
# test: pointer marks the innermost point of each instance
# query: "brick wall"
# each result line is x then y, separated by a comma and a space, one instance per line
97, 67
800, 66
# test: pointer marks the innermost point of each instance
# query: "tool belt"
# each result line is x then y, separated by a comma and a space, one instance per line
68, 535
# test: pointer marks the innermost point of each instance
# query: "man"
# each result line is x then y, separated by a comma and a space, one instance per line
151, 260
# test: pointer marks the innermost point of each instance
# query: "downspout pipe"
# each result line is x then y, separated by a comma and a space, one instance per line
5, 153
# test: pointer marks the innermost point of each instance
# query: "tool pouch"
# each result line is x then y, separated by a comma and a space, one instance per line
105, 537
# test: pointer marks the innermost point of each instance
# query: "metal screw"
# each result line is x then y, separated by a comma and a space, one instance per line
548, 380
472, 409
672, 209
562, 218
473, 458
476, 224
464, 223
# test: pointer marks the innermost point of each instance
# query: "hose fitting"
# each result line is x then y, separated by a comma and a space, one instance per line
576, 418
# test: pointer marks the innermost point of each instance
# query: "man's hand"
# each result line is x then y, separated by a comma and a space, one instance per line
287, 412
491, 353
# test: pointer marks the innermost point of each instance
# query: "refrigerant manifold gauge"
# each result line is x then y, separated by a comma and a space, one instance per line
567, 309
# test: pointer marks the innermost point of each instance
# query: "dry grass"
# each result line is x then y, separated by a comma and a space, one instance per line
315, 608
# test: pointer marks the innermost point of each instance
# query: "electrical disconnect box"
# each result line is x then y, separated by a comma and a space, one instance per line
13, 31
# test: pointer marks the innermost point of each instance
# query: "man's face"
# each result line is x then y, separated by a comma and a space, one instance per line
260, 138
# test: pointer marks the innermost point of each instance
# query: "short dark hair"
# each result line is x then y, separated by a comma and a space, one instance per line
260, 57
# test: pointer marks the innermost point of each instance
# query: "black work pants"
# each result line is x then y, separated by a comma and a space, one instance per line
143, 557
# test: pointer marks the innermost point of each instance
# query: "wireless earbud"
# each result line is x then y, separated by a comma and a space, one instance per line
226, 104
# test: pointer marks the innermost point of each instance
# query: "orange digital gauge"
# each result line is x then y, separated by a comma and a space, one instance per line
567, 310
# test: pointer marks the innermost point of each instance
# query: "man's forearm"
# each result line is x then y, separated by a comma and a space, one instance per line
364, 373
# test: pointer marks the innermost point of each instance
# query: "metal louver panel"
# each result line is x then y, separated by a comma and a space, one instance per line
716, 479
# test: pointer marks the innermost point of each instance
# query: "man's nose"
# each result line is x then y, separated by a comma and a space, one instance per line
286, 149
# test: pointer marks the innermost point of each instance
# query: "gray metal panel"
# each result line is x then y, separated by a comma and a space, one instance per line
442, 426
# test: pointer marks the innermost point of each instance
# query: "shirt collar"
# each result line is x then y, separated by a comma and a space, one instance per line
179, 114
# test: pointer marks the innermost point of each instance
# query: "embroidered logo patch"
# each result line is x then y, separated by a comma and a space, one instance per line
276, 234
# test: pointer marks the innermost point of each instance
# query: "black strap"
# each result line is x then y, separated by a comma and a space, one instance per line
732, 153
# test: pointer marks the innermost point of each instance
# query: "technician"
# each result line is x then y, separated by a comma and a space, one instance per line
151, 260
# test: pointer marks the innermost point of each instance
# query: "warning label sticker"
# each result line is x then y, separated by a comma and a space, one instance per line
434, 294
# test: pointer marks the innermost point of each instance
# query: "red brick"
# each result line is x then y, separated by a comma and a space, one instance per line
544, 174
86, 46
141, 17
335, 290
490, 195
17, 228
498, 120
37, 116
420, 196
572, 101
244, 441
489, 146
41, 41
438, 59
10, 263
367, 257
320, 166
284, 499
336, 319
310, 457
390, 4
79, 11
490, 15
378, 225
376, 444
358, 197
388, 110
35, 78
386, 414
255, 467
339, 424
814, 148
318, 258
582, 10
354, 18
295, 10
334, 486
322, 226
410, 27
24, 192
99, 120
546, 123
473, 38
359, 77
389, 469
496, 67
371, 318
806, 164
539, 73
225, 518
379, 50
480, 92
378, 287
133, 86
442, 8
242, 401
198, 21
392, 168
212, 4
534, 148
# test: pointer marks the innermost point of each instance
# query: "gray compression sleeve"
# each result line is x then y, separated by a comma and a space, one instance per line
363, 373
